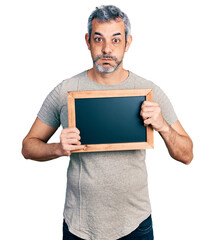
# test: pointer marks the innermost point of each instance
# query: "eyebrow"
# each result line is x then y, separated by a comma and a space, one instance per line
115, 34
97, 33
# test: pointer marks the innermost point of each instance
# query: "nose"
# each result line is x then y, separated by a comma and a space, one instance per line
106, 48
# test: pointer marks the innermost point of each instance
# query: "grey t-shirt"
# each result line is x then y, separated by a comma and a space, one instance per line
107, 192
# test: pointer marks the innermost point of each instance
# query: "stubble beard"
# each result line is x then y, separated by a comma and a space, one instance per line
106, 68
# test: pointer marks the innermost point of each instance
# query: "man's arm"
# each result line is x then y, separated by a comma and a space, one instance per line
178, 143
35, 144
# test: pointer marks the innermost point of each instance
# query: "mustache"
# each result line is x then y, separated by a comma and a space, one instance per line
105, 56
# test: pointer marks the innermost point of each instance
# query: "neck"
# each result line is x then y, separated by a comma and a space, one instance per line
114, 78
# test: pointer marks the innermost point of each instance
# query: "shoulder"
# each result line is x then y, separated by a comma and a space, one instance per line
159, 96
140, 82
59, 93
71, 84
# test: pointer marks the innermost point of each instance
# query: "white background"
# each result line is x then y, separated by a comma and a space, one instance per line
42, 43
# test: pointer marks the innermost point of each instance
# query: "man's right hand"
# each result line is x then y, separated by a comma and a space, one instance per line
36, 146
70, 141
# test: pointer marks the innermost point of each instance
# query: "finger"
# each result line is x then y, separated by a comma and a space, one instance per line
65, 137
80, 147
148, 109
72, 141
155, 109
147, 121
71, 130
74, 148
150, 104
76, 130
72, 136
146, 115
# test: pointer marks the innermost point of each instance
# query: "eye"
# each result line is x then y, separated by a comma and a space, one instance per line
98, 39
116, 40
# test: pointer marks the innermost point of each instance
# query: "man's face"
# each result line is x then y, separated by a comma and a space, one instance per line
107, 44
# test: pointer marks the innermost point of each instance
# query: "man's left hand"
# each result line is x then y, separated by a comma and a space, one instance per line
152, 115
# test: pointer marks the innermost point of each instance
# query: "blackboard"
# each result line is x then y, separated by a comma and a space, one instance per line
110, 120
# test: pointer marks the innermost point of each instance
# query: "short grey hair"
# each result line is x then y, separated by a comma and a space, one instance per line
107, 13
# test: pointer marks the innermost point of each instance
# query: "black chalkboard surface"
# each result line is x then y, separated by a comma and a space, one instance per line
110, 120
114, 120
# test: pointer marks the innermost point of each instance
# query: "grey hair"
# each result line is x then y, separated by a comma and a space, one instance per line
107, 13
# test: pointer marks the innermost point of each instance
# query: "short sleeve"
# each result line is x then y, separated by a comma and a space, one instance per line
50, 111
167, 109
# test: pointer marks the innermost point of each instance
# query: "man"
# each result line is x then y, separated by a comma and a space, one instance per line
107, 192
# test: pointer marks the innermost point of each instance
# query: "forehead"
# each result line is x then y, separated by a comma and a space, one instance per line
108, 28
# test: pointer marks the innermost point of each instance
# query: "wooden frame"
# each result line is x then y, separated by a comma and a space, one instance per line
72, 96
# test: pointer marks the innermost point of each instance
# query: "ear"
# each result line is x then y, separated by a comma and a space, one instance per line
87, 40
129, 41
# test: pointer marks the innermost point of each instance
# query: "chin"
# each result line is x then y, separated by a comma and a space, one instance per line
103, 69
106, 69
